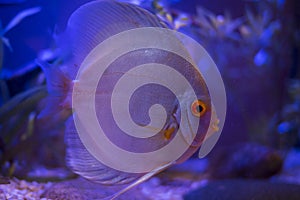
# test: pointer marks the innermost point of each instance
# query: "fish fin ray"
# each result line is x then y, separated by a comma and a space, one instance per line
58, 86
83, 163
142, 179
57, 82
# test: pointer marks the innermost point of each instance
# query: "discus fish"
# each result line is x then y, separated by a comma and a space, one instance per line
88, 28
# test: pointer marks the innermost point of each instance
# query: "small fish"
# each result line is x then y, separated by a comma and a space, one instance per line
88, 27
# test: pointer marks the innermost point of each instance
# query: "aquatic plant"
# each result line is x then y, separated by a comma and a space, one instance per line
4, 41
13, 23
285, 126
24, 133
21, 126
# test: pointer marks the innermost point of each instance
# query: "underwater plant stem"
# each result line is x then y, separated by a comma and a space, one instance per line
22, 102
14, 114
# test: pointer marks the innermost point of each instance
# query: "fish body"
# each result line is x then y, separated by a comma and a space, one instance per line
184, 97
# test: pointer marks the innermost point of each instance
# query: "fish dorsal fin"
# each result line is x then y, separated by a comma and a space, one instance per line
98, 20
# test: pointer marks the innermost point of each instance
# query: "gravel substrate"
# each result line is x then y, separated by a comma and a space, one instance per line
188, 181
23, 190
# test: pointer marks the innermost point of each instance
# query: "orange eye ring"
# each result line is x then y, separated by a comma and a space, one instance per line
198, 108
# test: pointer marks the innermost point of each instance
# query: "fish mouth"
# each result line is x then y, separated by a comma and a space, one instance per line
213, 127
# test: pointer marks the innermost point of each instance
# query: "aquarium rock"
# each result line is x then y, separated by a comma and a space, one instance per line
246, 190
247, 160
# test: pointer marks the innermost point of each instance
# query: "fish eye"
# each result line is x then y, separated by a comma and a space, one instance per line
198, 108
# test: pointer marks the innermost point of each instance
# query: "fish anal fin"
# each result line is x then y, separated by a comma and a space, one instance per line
142, 179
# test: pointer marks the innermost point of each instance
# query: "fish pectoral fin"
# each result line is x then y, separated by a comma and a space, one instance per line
142, 179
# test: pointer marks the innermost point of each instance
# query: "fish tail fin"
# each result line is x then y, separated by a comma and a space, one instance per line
142, 179
58, 101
